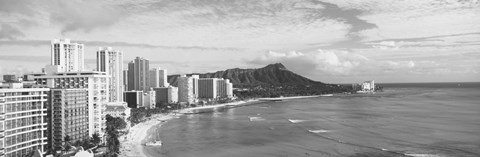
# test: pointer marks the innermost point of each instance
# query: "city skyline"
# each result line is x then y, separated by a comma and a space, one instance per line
328, 41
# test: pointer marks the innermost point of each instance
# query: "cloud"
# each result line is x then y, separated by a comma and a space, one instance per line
9, 32
16, 7
84, 15
116, 44
332, 63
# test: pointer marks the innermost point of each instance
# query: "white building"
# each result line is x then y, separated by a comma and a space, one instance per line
23, 125
368, 86
186, 89
111, 62
96, 83
224, 88
158, 78
118, 110
67, 56
149, 99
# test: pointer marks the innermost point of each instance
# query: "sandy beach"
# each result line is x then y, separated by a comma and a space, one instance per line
132, 143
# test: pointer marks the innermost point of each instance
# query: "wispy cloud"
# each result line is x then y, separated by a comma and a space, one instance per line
9, 32
115, 44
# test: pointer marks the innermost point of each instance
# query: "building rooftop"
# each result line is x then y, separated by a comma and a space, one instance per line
114, 108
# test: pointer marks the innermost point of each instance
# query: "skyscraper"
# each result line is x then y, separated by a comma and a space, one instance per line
158, 78
138, 74
207, 88
224, 88
67, 56
111, 62
195, 85
125, 80
186, 89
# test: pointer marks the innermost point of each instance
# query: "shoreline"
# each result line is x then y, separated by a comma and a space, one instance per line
132, 144
293, 97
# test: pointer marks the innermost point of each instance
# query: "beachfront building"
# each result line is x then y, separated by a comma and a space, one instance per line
195, 79
368, 86
149, 99
207, 88
118, 111
96, 83
68, 116
111, 62
186, 90
134, 99
23, 125
138, 75
158, 78
224, 88
230, 90
67, 56
166, 95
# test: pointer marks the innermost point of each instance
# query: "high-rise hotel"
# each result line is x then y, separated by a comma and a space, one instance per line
69, 116
138, 74
187, 86
111, 62
158, 78
23, 120
67, 56
96, 84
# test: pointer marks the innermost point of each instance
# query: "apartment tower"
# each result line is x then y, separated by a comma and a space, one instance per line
138, 74
111, 62
67, 56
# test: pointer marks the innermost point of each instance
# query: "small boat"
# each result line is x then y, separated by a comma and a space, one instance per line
156, 143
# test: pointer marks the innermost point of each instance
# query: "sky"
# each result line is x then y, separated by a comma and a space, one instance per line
333, 41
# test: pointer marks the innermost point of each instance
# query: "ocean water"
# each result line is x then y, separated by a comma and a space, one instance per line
422, 121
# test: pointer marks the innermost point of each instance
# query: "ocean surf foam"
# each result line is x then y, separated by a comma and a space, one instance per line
295, 120
422, 155
252, 119
319, 131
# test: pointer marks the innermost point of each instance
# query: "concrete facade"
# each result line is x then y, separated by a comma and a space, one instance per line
111, 62
23, 125
138, 75
96, 83
207, 88
69, 56
68, 115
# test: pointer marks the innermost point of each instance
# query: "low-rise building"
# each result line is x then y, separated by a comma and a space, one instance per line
149, 99
166, 95
118, 110
134, 99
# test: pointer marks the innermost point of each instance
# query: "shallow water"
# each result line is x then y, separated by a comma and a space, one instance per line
397, 122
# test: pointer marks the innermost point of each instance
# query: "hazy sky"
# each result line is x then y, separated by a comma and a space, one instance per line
334, 41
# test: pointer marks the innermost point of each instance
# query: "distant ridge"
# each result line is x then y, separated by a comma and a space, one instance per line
272, 74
